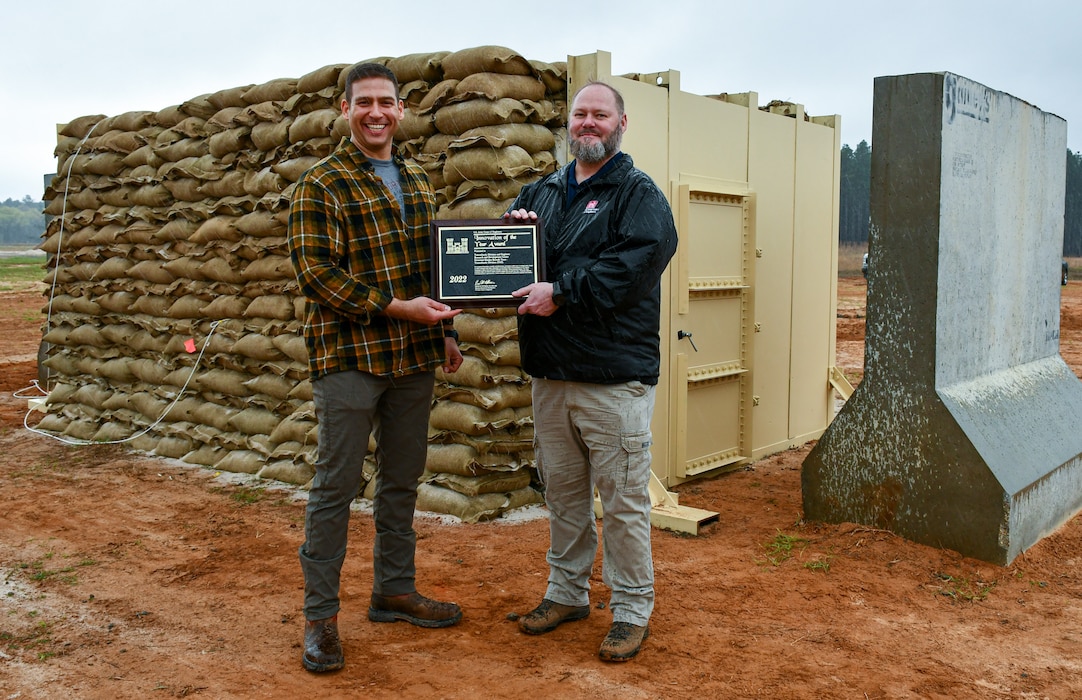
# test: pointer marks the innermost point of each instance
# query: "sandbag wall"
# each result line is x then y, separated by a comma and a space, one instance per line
174, 315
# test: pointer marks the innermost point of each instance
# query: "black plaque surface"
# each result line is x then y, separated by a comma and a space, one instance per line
479, 262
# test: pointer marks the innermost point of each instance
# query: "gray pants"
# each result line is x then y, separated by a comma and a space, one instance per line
349, 406
589, 435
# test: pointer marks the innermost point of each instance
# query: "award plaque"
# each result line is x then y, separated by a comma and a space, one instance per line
479, 262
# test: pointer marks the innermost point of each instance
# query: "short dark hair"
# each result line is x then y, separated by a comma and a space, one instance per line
368, 70
615, 94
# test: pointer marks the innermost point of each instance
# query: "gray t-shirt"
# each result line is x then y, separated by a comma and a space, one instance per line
392, 179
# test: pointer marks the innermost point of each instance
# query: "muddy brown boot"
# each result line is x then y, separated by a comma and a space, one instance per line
415, 609
623, 641
549, 615
322, 648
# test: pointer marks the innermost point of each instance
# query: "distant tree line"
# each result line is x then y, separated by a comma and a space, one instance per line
855, 198
21, 221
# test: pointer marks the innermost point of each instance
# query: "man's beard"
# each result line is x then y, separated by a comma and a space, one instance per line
596, 151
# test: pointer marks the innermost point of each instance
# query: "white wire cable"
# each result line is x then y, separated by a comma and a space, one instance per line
60, 239
144, 431
48, 327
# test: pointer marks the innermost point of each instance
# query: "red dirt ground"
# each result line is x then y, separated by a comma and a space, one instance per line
130, 577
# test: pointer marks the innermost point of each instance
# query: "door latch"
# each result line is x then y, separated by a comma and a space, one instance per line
680, 335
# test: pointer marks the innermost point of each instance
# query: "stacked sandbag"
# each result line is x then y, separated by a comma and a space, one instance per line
480, 456
174, 313
482, 122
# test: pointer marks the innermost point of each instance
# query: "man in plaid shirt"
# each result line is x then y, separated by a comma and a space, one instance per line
359, 242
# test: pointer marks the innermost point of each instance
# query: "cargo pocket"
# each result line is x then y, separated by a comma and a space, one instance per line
637, 451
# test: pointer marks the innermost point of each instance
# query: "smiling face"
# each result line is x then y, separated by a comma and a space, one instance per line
596, 126
374, 112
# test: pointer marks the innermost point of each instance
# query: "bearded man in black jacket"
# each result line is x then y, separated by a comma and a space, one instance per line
589, 338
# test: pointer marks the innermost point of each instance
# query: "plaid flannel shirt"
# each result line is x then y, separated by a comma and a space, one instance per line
352, 254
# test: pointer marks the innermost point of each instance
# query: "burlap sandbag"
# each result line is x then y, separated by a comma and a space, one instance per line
269, 111
437, 499
148, 371
260, 182
490, 189
86, 334
266, 136
91, 395
279, 89
255, 421
240, 462
482, 59
501, 482
293, 428
116, 370
187, 307
112, 431
505, 352
475, 208
531, 137
471, 420
272, 267
463, 116
185, 189
478, 329
206, 455
106, 164
81, 429
219, 228
287, 471
465, 460
113, 268
312, 125
223, 120
554, 75
437, 96
413, 92
302, 391
498, 85
151, 304
55, 423
230, 184
418, 66
256, 346
215, 415
485, 163
494, 398
81, 126
123, 142
185, 148
230, 141
223, 381
277, 306
142, 232
475, 372
292, 168
414, 125
320, 78
173, 446
220, 269
272, 385
151, 271
144, 155
292, 345
205, 167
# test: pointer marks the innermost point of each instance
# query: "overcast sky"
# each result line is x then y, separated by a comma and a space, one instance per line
61, 60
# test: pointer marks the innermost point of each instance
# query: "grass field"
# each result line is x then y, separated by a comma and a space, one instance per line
17, 271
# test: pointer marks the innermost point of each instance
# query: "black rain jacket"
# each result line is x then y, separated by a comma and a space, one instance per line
605, 252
